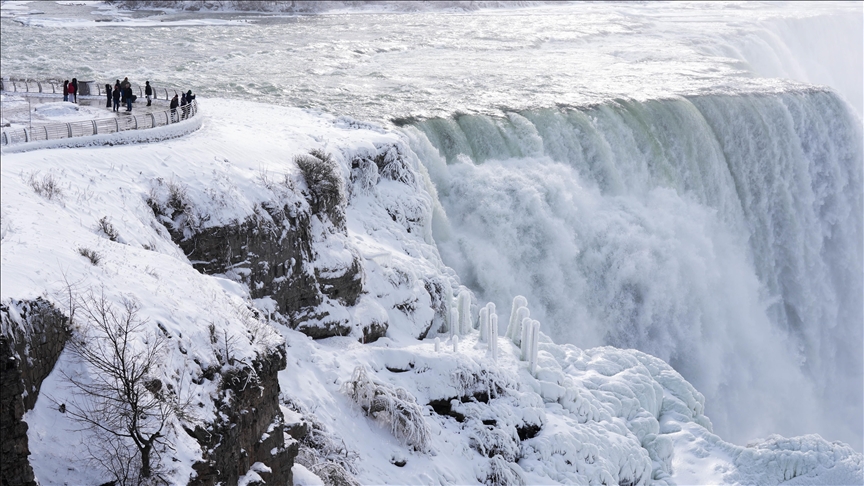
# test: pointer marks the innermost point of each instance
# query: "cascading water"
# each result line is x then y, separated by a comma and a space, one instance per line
721, 233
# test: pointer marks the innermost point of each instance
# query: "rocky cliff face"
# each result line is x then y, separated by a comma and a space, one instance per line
34, 334
249, 428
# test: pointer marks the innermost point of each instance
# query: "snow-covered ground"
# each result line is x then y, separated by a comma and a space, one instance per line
584, 416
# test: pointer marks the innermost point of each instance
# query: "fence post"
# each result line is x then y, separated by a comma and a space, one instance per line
95, 128
27, 86
117, 124
135, 118
153, 119
166, 93
69, 128
5, 139
40, 86
26, 136
15, 86
46, 131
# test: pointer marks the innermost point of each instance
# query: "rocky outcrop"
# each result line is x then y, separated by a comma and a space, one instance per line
34, 334
249, 428
271, 252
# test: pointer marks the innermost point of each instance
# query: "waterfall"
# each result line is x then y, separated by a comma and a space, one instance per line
721, 233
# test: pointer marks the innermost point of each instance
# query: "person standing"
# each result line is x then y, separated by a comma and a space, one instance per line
115, 95
174, 103
127, 92
75, 89
184, 110
108, 95
66, 90
148, 91
70, 93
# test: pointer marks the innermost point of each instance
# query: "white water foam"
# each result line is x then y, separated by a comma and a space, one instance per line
720, 233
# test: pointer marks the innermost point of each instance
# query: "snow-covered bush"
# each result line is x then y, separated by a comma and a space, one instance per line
392, 406
503, 473
325, 185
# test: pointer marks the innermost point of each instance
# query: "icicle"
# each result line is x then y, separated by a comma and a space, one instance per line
437, 345
513, 330
484, 324
455, 344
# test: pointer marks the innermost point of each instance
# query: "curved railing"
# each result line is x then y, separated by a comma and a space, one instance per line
57, 131
85, 88
83, 128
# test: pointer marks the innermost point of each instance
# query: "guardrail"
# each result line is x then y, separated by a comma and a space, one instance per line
85, 88
119, 123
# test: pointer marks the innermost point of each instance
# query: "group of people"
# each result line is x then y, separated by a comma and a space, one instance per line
183, 103
122, 93
70, 90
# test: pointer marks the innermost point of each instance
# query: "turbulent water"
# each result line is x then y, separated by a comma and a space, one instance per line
682, 179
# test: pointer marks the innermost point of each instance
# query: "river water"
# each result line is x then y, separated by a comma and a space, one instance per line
685, 179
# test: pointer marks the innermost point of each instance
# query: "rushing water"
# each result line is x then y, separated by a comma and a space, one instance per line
664, 176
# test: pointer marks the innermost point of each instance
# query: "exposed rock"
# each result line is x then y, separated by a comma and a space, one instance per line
249, 427
33, 336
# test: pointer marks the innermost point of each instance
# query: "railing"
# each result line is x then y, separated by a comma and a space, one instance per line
120, 123
85, 88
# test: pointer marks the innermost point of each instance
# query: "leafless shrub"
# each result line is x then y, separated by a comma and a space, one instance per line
121, 401
46, 186
91, 255
108, 229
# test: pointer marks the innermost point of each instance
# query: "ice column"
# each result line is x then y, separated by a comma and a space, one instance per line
484, 324
437, 345
513, 331
525, 339
464, 306
454, 322
522, 313
493, 336
455, 344
535, 343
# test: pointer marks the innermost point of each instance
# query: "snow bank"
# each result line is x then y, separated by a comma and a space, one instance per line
580, 416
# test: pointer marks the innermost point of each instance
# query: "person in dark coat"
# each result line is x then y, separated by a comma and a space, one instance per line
75, 89
174, 103
66, 90
115, 95
108, 95
129, 96
148, 91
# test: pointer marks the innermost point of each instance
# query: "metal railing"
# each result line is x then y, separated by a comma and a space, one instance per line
85, 88
119, 123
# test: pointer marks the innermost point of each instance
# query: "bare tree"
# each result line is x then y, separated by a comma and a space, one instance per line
120, 400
